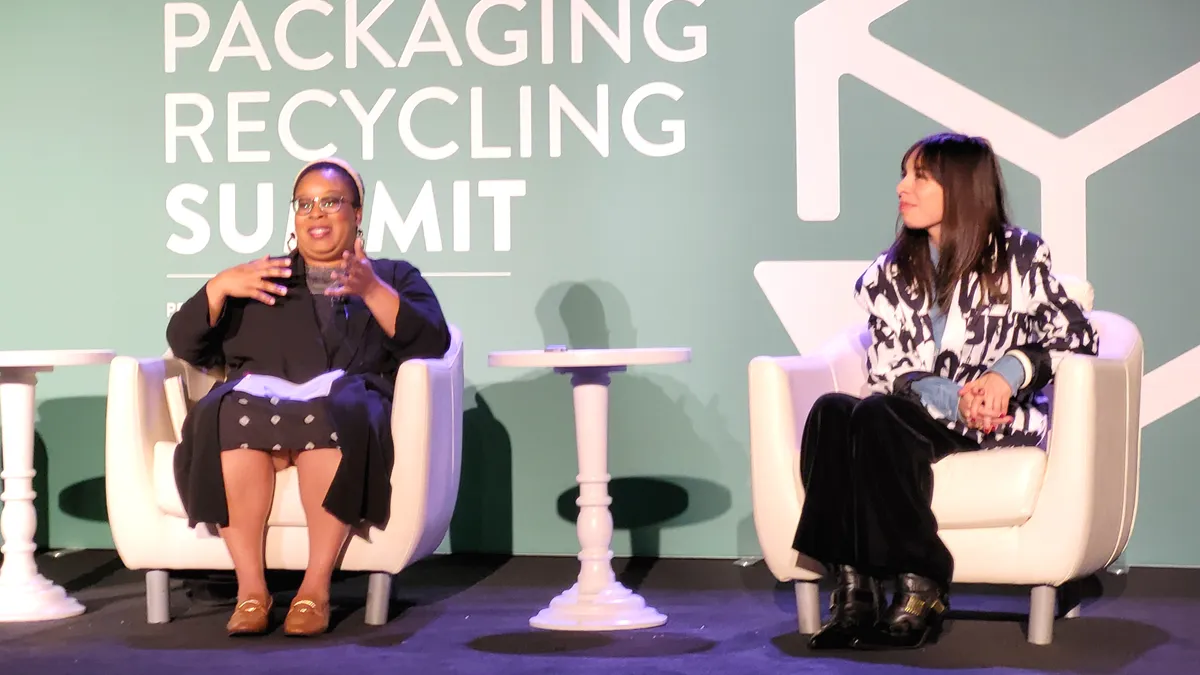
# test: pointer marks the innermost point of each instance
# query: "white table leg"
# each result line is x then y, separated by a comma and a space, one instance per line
597, 601
25, 595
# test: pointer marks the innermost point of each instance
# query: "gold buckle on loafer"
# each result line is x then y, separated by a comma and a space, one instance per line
251, 605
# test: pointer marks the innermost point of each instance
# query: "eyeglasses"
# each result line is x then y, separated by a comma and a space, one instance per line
326, 204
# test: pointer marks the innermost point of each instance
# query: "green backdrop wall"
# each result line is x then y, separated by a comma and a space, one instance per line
603, 173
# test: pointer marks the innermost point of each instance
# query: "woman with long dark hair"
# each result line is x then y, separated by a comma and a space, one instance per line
967, 327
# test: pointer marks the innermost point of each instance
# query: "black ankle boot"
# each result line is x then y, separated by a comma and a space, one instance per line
855, 605
913, 619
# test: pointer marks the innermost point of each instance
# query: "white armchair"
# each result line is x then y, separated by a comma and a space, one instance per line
1020, 516
147, 401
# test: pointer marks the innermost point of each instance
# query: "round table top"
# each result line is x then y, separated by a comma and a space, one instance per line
585, 358
53, 358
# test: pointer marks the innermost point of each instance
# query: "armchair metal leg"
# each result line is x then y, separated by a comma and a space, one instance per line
1042, 602
808, 607
158, 596
379, 593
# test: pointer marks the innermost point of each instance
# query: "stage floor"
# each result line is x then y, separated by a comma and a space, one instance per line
469, 614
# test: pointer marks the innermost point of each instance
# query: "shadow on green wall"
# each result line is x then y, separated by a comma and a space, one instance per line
67, 429
41, 489
536, 415
483, 521
76, 427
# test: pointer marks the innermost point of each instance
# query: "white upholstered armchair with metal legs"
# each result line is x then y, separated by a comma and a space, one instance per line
1019, 516
147, 401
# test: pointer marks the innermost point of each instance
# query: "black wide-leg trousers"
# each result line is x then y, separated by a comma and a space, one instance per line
867, 470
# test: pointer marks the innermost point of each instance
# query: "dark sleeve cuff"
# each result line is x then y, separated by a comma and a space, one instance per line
1043, 372
903, 384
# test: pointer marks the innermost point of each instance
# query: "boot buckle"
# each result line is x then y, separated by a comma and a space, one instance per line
916, 605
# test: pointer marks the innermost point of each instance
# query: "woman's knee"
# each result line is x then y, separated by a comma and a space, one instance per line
832, 403
826, 431
316, 468
244, 462
873, 409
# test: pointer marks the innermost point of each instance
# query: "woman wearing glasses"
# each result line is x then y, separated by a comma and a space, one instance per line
311, 343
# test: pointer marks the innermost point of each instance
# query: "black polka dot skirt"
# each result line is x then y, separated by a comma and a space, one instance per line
256, 423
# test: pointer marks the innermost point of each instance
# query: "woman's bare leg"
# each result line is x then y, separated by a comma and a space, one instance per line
326, 534
249, 487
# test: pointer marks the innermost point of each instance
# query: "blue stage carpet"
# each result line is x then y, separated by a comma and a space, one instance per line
469, 614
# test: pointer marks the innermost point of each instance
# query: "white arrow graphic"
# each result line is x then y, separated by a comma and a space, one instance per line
832, 40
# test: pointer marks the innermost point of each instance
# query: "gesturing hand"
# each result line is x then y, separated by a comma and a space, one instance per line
356, 277
983, 402
252, 280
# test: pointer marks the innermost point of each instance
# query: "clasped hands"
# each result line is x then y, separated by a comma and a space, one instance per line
983, 402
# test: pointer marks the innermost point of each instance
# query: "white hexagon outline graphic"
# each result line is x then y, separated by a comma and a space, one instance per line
832, 40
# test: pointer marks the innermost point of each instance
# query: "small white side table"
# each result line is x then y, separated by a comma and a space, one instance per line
597, 601
25, 595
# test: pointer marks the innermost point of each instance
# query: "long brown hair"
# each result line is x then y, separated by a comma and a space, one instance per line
974, 220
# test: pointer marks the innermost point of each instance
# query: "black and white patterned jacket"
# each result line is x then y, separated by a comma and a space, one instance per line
1039, 326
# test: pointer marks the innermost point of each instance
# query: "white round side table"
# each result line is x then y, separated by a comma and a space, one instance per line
25, 595
597, 601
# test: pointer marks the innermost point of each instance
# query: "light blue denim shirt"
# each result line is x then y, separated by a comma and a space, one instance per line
942, 393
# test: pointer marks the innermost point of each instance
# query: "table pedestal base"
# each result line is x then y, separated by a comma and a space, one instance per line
603, 604
613, 608
25, 595
36, 599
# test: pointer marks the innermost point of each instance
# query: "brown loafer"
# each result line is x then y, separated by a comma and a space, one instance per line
252, 617
306, 618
